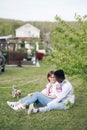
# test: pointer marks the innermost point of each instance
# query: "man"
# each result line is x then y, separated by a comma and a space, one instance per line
65, 98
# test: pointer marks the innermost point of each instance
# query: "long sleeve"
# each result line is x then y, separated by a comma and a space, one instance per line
65, 94
45, 91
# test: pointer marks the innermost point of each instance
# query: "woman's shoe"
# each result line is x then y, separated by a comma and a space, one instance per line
11, 104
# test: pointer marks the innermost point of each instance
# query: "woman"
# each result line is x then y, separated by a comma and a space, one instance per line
41, 98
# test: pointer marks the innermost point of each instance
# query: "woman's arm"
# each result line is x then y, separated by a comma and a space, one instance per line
53, 96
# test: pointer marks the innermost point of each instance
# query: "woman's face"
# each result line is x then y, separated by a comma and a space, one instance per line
52, 79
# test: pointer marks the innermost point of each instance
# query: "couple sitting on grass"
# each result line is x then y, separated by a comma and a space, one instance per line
58, 95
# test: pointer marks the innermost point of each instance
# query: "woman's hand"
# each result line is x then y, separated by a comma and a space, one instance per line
30, 94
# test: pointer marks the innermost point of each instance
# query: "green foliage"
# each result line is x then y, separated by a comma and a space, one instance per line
70, 46
7, 27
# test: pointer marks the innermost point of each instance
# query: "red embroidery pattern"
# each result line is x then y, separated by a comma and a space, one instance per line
58, 88
50, 90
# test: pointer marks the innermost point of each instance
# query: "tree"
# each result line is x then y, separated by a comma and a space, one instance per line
5, 29
70, 46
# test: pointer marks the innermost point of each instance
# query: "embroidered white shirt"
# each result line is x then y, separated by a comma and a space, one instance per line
52, 89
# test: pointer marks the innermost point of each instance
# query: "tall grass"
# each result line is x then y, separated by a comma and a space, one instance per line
30, 79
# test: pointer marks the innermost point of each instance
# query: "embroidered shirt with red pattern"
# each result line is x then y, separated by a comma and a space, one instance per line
52, 89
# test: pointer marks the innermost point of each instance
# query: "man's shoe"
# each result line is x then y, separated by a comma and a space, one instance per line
31, 109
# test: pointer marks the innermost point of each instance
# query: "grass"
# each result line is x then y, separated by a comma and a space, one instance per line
30, 79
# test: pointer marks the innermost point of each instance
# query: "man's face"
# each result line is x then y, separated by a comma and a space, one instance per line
58, 79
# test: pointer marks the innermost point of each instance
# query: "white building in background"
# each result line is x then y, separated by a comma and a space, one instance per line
27, 31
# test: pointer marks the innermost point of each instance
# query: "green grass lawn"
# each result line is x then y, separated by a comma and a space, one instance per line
31, 79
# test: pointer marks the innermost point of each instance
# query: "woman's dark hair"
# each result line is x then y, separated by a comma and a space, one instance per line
59, 74
50, 73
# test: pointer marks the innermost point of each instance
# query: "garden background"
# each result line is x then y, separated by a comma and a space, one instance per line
69, 53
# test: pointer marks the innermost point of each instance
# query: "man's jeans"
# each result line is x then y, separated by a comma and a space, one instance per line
55, 106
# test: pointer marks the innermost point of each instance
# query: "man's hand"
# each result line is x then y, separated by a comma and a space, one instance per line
54, 96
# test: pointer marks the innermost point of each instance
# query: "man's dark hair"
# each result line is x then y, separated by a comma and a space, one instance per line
59, 74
